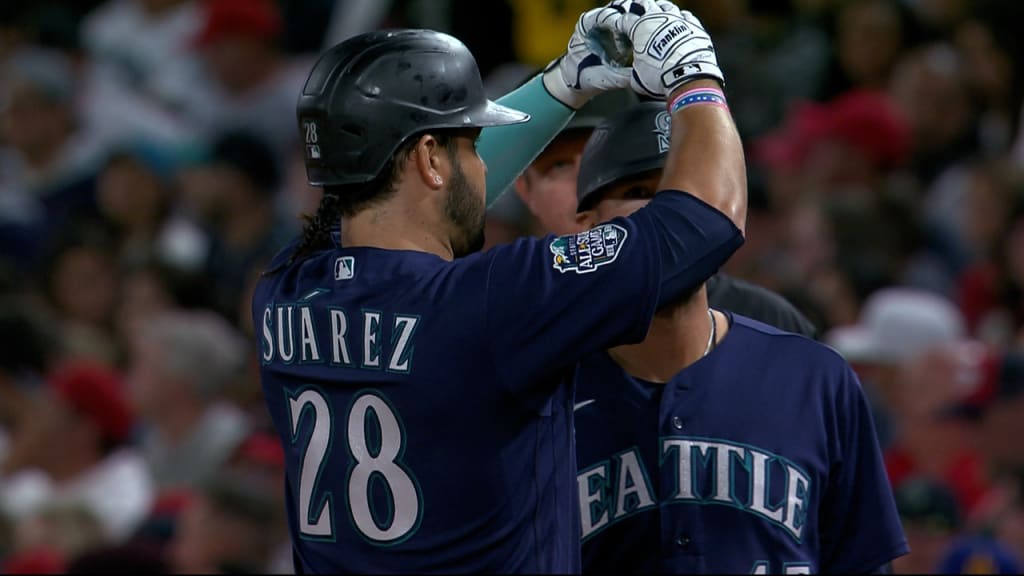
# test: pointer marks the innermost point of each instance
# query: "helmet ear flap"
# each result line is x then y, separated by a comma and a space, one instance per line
368, 94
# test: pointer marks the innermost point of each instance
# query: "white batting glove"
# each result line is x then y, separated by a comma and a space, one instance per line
670, 48
599, 53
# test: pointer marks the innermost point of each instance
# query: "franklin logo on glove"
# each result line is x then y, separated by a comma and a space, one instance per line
670, 48
667, 38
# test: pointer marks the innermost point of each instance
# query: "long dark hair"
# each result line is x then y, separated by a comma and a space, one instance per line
350, 199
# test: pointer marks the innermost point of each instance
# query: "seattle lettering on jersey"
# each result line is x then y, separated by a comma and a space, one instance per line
705, 472
294, 332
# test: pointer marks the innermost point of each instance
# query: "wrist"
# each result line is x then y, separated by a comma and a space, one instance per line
711, 83
696, 96
556, 87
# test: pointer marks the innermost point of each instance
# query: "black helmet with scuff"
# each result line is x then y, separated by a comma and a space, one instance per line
368, 94
629, 143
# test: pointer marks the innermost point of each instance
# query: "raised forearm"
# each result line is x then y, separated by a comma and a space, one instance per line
508, 150
706, 157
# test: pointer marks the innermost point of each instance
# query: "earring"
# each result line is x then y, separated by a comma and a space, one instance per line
437, 179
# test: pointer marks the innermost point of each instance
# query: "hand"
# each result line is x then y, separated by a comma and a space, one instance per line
599, 53
670, 48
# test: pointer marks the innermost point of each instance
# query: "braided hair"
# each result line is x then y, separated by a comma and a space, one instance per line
316, 233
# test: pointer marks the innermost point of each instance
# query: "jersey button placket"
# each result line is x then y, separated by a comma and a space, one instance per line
677, 422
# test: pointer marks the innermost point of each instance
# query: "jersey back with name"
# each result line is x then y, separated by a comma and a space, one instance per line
759, 458
422, 403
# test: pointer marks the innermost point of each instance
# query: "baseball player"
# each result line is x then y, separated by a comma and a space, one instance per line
543, 200
537, 206
421, 391
718, 444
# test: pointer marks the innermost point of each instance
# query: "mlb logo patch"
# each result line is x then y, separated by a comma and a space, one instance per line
313, 152
588, 251
344, 268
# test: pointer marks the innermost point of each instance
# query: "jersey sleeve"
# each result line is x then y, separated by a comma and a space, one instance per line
550, 301
860, 526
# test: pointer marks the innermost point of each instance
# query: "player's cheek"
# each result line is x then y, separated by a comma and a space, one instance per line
634, 205
609, 210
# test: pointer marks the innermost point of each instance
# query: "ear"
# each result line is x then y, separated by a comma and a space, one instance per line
522, 187
429, 158
586, 220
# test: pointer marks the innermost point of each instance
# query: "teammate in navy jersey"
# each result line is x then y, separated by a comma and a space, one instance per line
421, 391
543, 201
718, 444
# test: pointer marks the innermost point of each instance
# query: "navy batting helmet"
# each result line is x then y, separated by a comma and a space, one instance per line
632, 142
366, 95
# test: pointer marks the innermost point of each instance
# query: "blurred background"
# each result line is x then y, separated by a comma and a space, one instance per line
149, 167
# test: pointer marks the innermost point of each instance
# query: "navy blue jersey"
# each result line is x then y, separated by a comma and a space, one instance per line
760, 457
423, 403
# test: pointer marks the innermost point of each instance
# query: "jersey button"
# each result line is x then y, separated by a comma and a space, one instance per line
677, 422
682, 541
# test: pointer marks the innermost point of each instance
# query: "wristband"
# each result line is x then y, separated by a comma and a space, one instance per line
711, 96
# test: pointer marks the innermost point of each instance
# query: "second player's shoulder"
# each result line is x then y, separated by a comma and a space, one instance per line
731, 293
764, 330
799, 364
778, 343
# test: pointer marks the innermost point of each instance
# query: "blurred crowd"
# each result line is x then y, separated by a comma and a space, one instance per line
150, 167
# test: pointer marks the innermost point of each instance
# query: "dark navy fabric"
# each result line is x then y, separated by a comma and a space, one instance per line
425, 406
759, 458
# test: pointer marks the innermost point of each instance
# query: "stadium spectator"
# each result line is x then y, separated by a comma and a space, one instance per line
251, 83
179, 365
80, 284
229, 528
47, 163
233, 194
75, 463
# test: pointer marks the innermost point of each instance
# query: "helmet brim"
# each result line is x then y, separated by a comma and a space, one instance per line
588, 186
494, 114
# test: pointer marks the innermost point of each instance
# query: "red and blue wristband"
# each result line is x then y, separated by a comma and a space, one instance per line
711, 96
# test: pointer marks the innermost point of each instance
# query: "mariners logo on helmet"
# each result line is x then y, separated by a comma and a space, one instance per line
587, 251
622, 147
663, 128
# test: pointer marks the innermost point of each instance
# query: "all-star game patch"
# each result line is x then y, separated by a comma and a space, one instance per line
588, 251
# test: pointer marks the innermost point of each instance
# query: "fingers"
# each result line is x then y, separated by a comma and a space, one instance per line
690, 19
640, 7
586, 22
606, 15
600, 31
601, 16
585, 26
622, 14
667, 6
640, 88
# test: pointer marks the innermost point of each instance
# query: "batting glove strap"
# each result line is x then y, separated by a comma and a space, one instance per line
671, 49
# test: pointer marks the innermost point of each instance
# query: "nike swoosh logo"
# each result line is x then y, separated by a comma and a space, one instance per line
316, 292
579, 405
